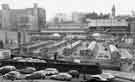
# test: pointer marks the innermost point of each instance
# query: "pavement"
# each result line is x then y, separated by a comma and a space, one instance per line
122, 75
121, 80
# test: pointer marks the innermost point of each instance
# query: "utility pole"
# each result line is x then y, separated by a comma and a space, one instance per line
6, 40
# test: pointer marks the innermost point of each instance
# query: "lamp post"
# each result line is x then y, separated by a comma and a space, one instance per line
71, 45
19, 41
6, 40
20, 33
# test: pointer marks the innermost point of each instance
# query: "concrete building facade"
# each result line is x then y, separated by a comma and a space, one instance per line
22, 19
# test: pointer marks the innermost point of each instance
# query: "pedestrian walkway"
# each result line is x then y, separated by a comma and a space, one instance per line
122, 75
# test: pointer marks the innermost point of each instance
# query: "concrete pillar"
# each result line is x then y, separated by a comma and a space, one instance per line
35, 18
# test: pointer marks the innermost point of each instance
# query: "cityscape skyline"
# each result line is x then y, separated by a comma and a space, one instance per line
68, 6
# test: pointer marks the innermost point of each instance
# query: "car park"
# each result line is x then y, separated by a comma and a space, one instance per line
6, 69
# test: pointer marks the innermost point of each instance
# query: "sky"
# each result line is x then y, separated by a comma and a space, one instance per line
67, 6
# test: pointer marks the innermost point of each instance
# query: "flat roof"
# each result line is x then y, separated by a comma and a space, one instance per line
107, 22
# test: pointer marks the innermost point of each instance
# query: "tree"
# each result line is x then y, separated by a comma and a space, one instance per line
94, 15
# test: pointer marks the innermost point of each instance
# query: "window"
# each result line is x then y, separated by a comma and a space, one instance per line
92, 29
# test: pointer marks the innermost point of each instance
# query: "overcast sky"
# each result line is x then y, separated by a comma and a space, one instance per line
54, 6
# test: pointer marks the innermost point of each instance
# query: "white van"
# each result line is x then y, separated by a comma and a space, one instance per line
5, 53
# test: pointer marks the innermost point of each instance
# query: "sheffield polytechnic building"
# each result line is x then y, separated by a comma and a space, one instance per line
26, 19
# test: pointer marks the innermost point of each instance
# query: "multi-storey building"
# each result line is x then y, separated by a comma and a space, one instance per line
22, 19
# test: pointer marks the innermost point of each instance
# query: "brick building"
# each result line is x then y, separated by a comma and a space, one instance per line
27, 19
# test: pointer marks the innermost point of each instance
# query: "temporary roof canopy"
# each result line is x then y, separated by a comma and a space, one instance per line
56, 34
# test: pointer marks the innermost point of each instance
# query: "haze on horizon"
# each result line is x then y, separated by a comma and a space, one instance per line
67, 6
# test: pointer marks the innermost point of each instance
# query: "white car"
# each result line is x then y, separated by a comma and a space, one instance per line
51, 71
6, 69
36, 75
103, 76
27, 70
21, 60
17, 58
62, 76
12, 75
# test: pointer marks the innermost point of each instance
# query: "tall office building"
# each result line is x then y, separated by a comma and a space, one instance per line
5, 18
22, 19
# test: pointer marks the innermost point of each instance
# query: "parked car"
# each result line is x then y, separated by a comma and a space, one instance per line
104, 77
51, 71
6, 69
13, 75
29, 60
17, 58
35, 75
62, 76
27, 70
